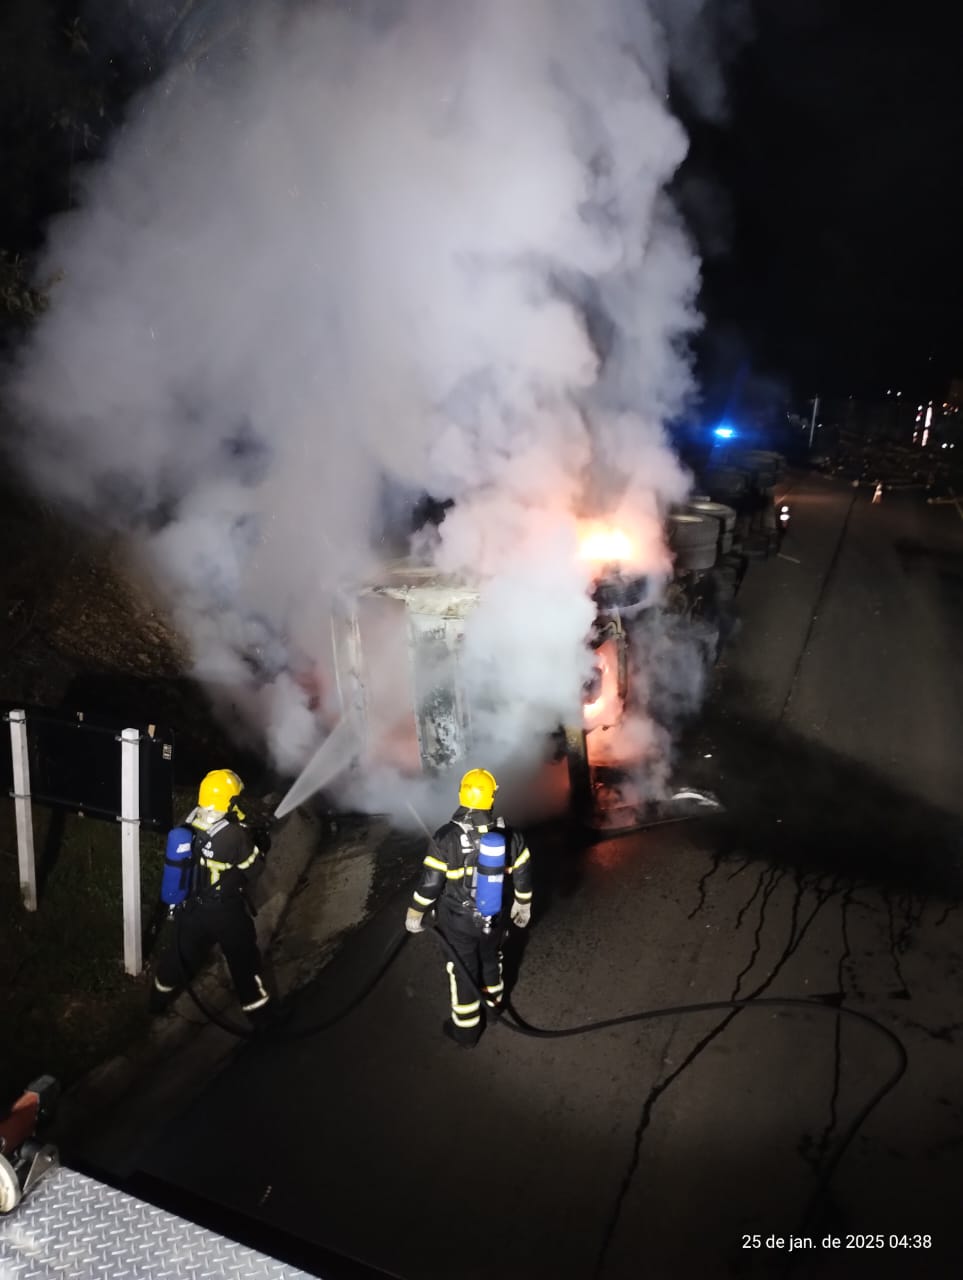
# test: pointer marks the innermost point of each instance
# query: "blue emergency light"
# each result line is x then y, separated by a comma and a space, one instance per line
724, 431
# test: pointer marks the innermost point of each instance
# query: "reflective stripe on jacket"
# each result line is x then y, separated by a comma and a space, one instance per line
225, 857
449, 863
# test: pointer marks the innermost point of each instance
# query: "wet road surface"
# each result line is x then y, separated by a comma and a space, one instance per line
661, 1149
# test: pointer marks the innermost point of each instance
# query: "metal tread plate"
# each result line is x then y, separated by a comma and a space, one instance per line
74, 1228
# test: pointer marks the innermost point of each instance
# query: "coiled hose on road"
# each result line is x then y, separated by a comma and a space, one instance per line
508, 1017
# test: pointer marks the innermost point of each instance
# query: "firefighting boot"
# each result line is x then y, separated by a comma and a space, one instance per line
462, 1036
159, 1000
269, 1017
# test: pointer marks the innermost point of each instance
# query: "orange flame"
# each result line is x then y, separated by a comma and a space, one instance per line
600, 544
607, 703
592, 709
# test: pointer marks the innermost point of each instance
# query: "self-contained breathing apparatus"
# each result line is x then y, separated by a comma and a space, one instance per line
178, 867
485, 858
184, 860
183, 854
488, 880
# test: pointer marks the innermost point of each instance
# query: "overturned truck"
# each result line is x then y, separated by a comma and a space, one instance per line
399, 662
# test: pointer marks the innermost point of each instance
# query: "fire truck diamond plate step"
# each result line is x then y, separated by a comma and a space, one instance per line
72, 1226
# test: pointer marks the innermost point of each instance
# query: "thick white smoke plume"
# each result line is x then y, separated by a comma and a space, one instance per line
703, 36
387, 249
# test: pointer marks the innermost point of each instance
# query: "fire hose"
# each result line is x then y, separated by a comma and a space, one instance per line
507, 1016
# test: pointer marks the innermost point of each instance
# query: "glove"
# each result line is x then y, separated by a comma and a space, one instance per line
521, 914
414, 920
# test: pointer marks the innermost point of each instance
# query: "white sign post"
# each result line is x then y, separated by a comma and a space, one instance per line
21, 800
130, 848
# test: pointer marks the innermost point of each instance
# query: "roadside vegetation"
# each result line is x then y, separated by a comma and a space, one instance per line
65, 1001
75, 634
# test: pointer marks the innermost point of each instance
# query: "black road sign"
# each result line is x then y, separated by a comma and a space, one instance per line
75, 763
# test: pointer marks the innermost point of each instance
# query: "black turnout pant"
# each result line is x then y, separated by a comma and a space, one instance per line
200, 925
481, 955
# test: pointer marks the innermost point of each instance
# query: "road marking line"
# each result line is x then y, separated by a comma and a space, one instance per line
791, 559
951, 501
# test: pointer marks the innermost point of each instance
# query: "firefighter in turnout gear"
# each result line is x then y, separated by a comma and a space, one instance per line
450, 877
225, 858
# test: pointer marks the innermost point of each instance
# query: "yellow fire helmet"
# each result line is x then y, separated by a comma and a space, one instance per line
477, 789
218, 789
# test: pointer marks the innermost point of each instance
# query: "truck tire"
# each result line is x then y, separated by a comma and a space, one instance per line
686, 530
695, 559
725, 515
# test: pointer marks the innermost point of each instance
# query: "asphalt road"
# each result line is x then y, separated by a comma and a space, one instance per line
660, 1149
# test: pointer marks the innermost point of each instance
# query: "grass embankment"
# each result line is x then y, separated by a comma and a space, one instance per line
65, 1001
76, 634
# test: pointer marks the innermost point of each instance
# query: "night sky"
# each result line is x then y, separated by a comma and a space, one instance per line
836, 188
828, 206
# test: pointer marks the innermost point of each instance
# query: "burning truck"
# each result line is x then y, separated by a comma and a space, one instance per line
398, 661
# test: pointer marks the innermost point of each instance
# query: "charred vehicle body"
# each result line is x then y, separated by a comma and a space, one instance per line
397, 686
398, 643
